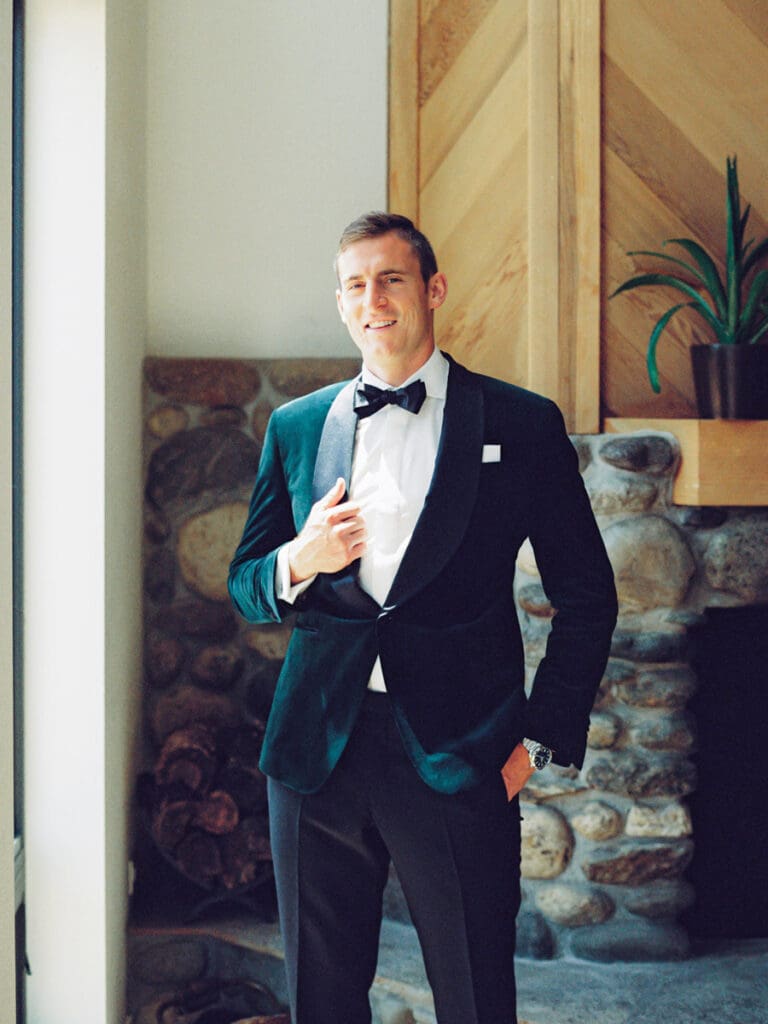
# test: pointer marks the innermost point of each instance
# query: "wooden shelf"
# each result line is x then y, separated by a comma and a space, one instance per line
724, 462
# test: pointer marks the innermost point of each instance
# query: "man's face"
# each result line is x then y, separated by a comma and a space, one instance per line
386, 306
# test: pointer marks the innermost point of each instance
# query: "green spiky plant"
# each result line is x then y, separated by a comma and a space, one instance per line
737, 311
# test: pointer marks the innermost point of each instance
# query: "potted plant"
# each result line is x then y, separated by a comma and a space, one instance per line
731, 372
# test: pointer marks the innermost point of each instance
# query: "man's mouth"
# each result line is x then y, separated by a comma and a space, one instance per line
379, 325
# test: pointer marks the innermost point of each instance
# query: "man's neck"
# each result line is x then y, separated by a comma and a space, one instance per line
394, 377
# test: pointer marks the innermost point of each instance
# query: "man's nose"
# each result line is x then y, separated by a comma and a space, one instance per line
376, 296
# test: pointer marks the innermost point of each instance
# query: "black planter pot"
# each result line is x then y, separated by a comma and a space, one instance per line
731, 381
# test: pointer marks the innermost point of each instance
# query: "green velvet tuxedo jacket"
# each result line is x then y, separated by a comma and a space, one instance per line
448, 633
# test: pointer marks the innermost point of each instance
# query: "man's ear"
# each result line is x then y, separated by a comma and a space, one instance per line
437, 289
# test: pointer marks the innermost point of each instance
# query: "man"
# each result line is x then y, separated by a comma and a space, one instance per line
389, 511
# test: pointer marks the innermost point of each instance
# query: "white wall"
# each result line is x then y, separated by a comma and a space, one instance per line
266, 135
7, 867
64, 508
84, 281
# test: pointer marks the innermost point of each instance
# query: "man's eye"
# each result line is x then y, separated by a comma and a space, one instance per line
354, 286
393, 279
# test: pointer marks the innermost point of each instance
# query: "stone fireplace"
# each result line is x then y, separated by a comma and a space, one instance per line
605, 850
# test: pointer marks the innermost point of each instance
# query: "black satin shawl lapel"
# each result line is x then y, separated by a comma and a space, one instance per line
337, 442
334, 460
451, 496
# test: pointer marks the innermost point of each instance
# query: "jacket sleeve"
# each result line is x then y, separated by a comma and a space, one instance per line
578, 581
269, 525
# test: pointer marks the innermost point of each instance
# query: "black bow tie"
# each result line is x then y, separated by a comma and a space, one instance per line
369, 399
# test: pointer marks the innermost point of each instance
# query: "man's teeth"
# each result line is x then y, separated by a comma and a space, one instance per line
381, 323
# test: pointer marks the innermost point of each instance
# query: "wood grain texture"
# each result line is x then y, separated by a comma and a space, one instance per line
473, 180
546, 139
490, 186
545, 364
484, 319
580, 185
679, 94
472, 161
496, 45
403, 116
754, 14
447, 27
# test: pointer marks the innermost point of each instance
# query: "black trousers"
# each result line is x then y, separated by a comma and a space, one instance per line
458, 860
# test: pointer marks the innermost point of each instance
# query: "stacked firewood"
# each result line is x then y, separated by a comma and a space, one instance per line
207, 805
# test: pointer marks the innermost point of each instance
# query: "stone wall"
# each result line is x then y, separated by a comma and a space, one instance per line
604, 849
209, 676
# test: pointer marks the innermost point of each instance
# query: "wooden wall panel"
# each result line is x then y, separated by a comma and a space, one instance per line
403, 128
537, 141
458, 166
547, 368
476, 159
579, 185
473, 177
681, 90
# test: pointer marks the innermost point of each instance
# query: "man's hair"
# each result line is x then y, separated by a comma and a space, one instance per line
376, 223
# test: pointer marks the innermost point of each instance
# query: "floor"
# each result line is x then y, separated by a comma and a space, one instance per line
725, 984
722, 984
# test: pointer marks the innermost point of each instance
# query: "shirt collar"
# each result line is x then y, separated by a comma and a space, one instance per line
434, 373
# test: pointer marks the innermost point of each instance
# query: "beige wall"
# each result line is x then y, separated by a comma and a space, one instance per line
266, 134
125, 332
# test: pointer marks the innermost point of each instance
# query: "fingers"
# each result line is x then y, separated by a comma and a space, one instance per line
330, 511
333, 536
334, 496
351, 535
329, 503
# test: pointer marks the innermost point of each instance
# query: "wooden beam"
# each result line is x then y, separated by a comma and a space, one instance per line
722, 461
544, 363
580, 211
403, 115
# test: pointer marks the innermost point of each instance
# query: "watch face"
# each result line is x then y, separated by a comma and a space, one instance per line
541, 758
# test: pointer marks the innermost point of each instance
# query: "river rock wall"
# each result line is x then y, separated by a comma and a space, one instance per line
604, 850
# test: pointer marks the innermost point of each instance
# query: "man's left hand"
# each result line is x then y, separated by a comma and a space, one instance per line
517, 770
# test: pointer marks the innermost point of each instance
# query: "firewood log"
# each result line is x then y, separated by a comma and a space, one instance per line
217, 813
244, 852
199, 858
188, 756
171, 823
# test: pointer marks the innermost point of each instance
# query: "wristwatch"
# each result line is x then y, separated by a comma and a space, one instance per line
539, 754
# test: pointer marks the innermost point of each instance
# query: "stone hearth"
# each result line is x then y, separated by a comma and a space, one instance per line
605, 849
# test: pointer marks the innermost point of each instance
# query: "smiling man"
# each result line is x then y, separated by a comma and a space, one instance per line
388, 511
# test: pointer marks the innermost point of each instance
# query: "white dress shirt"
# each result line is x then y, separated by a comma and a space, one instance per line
392, 467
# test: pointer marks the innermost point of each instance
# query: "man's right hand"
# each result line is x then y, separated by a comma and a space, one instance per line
333, 536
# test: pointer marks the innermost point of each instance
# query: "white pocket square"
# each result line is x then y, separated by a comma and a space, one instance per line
491, 453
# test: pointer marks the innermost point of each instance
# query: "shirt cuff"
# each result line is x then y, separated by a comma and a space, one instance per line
284, 589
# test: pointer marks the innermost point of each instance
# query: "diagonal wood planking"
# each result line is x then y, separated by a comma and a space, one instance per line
483, 135
473, 176
682, 88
